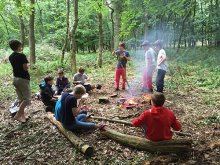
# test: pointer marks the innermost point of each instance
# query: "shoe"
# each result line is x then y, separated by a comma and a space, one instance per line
123, 88
116, 89
98, 86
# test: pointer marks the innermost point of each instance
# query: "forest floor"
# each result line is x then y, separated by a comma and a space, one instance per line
40, 142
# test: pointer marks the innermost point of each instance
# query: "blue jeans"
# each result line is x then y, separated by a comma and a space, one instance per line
81, 124
160, 80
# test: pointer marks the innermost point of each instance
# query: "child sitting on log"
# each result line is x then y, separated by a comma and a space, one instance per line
82, 78
47, 94
62, 82
69, 114
158, 121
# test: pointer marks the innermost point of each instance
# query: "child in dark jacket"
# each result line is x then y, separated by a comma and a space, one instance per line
158, 120
62, 82
47, 93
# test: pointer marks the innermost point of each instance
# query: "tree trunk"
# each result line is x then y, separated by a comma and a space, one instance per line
182, 30
113, 32
77, 142
67, 30
101, 40
73, 37
21, 21
178, 146
117, 21
31, 34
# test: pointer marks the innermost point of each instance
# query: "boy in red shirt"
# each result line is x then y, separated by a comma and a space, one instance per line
158, 120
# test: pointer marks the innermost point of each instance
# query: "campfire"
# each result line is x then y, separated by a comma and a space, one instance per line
147, 97
128, 103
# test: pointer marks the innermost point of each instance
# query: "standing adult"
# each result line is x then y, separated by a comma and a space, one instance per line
161, 65
21, 79
149, 67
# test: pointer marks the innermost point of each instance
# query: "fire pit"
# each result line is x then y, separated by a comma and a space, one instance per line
128, 103
147, 97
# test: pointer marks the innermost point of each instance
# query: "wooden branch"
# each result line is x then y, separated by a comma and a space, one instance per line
130, 124
77, 142
177, 146
112, 120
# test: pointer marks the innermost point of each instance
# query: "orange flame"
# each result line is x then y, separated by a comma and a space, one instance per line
147, 97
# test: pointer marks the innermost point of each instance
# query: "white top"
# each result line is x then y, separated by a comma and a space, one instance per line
150, 57
161, 56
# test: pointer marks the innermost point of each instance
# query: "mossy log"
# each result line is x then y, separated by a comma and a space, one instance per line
76, 141
177, 146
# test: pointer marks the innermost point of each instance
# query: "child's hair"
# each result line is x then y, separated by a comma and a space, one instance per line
60, 71
14, 44
122, 45
48, 78
81, 70
79, 89
158, 99
158, 43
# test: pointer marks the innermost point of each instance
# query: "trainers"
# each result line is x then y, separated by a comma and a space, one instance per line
123, 88
116, 89
98, 86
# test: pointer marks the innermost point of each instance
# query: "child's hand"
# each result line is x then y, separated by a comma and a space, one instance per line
113, 53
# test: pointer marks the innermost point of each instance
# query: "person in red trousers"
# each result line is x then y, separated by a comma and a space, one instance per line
122, 57
158, 121
149, 67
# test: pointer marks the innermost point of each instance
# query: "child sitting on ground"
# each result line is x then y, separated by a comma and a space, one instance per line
82, 78
62, 82
68, 113
157, 121
47, 94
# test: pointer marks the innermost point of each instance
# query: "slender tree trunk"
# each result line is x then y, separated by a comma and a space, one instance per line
73, 37
67, 30
101, 39
113, 32
31, 34
21, 22
117, 23
182, 30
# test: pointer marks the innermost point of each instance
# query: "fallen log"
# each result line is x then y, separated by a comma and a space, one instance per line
77, 142
130, 124
177, 146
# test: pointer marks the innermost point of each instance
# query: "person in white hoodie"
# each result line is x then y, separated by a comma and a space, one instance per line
161, 65
149, 67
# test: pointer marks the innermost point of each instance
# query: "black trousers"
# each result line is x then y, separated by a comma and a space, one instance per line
160, 80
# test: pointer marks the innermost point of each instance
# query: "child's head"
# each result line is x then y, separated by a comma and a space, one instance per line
79, 91
49, 80
146, 45
68, 90
158, 45
121, 46
60, 73
81, 70
15, 45
158, 99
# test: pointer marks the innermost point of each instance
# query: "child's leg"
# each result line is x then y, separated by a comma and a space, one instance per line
81, 117
81, 123
123, 73
160, 80
149, 80
117, 77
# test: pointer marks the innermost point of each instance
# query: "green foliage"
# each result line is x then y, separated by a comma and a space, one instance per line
214, 118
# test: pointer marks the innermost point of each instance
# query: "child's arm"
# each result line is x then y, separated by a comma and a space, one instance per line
139, 121
76, 110
176, 124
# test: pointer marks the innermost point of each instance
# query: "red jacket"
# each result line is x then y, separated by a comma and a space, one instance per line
158, 122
